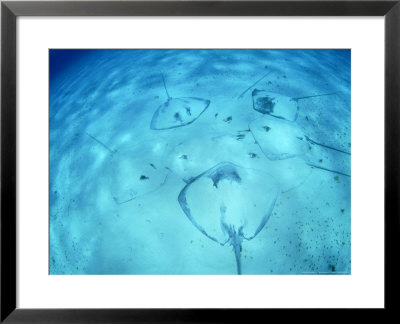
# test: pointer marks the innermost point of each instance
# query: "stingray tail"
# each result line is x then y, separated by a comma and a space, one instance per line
329, 170
102, 144
326, 146
237, 246
255, 83
238, 262
165, 87
313, 96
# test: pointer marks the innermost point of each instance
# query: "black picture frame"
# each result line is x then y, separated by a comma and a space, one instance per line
10, 10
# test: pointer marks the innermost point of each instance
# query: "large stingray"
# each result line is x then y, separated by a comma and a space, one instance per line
132, 178
229, 203
275, 104
280, 139
278, 105
135, 170
178, 112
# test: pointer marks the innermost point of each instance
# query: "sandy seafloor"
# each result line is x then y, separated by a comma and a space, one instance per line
105, 220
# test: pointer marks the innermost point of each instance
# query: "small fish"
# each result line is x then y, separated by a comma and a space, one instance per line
228, 119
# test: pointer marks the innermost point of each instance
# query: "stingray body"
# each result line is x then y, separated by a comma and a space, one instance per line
229, 204
275, 104
178, 112
278, 105
279, 139
135, 171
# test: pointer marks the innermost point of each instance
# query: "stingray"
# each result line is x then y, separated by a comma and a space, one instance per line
278, 105
136, 171
178, 112
280, 139
133, 172
229, 204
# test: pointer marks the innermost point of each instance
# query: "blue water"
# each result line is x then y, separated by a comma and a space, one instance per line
200, 162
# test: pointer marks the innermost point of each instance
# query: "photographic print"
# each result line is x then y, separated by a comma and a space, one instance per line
200, 161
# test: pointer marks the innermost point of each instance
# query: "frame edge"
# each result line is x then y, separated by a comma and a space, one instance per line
8, 171
8, 162
392, 152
